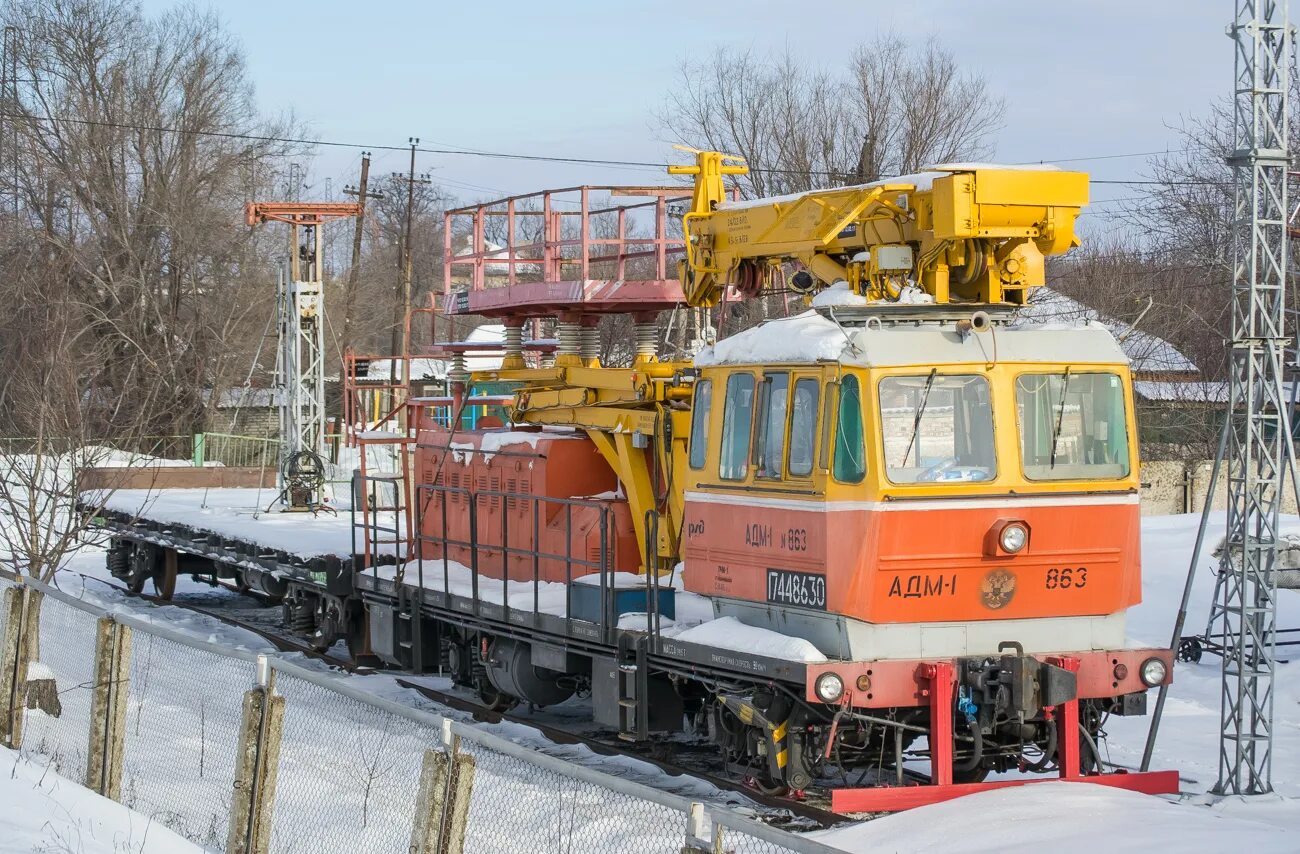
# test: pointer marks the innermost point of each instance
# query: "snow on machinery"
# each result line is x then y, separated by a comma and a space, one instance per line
942, 504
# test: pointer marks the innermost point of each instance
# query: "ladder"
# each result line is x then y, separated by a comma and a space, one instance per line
633, 688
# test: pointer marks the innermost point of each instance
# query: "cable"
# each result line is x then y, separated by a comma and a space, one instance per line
540, 158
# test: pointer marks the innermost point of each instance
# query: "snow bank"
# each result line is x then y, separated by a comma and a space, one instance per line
46, 812
1068, 817
806, 337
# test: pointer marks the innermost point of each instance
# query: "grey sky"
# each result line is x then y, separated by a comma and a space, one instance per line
583, 79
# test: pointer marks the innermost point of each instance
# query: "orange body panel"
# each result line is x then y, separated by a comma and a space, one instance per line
906, 562
522, 520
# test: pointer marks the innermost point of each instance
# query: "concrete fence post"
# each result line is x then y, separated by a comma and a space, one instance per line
257, 762
12, 673
108, 708
460, 789
430, 803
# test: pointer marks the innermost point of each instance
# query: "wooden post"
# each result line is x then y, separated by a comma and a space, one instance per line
26, 617
108, 708
11, 675
258, 760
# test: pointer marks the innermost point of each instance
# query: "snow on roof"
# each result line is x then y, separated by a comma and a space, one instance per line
256, 398
464, 246
1148, 353
806, 337
421, 369
1172, 391
810, 337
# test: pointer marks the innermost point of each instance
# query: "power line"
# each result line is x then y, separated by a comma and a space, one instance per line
537, 158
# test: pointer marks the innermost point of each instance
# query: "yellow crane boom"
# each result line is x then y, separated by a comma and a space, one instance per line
958, 233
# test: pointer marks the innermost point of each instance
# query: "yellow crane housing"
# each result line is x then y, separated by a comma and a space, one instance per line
959, 233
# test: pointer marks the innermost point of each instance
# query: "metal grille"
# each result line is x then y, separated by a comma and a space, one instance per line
60, 678
348, 775
518, 806
182, 733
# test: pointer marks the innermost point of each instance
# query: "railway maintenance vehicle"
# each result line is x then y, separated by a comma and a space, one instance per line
884, 545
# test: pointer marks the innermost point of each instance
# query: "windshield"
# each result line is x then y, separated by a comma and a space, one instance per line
937, 427
1072, 426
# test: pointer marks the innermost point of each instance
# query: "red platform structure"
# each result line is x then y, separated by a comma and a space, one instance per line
558, 252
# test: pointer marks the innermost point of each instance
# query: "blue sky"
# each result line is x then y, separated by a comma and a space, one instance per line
583, 79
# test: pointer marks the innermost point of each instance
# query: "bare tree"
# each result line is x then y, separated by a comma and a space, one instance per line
139, 143
896, 108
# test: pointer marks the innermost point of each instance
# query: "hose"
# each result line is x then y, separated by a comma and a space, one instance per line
1049, 751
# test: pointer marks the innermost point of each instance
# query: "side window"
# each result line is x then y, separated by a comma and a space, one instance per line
700, 422
828, 418
770, 445
803, 427
850, 453
737, 423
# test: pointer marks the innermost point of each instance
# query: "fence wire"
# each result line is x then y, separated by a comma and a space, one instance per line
349, 765
519, 806
182, 736
60, 681
349, 773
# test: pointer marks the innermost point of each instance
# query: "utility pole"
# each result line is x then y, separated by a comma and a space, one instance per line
402, 304
9, 92
1258, 448
362, 193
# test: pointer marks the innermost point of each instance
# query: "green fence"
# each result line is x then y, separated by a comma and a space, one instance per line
231, 450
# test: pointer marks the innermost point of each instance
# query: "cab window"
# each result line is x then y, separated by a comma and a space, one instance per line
769, 448
850, 464
1072, 426
700, 422
937, 427
737, 424
803, 427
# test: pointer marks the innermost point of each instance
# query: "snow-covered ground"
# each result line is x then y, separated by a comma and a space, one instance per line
44, 812
1066, 816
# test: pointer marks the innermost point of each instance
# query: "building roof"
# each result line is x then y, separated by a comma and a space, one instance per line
1147, 353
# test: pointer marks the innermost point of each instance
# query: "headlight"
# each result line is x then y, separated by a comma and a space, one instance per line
1153, 672
1013, 537
829, 687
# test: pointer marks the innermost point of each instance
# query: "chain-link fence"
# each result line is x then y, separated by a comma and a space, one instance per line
371, 757
60, 679
247, 754
181, 734
516, 797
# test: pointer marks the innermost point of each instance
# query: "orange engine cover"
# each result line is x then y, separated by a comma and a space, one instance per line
504, 490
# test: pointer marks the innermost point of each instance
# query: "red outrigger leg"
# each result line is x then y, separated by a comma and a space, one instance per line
941, 678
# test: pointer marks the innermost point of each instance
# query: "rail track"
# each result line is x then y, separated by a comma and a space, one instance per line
809, 813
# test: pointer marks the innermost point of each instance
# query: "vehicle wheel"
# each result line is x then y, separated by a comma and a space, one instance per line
164, 575
144, 563
494, 699
1189, 650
